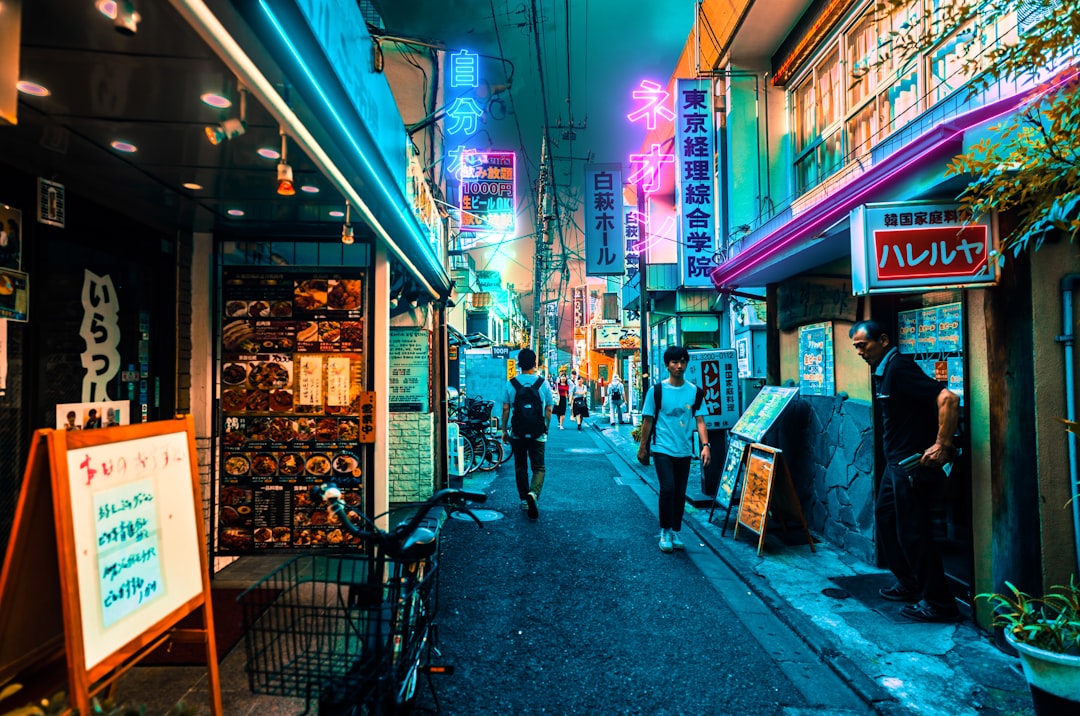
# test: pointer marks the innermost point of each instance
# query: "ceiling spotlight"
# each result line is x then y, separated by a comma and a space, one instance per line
232, 127
126, 21
285, 185
346, 228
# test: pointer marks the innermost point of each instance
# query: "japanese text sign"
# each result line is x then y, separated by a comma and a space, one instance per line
716, 373
604, 240
652, 104
487, 191
695, 195
904, 246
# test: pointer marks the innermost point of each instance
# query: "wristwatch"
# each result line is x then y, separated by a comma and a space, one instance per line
707, 445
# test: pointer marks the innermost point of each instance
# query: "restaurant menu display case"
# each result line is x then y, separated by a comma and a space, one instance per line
291, 381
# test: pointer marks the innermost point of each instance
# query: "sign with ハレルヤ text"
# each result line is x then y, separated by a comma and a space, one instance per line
716, 372
905, 246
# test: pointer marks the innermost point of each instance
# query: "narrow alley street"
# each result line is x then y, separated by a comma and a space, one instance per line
580, 612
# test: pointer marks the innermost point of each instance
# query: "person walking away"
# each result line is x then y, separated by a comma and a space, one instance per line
580, 394
919, 417
562, 387
681, 412
525, 428
616, 397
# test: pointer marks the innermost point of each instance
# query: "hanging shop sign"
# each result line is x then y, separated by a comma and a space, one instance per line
910, 246
716, 373
695, 196
603, 220
487, 191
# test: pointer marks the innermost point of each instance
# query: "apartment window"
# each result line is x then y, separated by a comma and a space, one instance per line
830, 90
900, 102
947, 61
862, 45
861, 128
805, 115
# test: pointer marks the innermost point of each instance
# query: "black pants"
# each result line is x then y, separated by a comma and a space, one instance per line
905, 533
672, 473
528, 451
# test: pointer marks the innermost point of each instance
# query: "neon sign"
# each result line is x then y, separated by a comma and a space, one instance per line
487, 191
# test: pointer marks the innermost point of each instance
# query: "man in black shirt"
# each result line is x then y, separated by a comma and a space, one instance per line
919, 418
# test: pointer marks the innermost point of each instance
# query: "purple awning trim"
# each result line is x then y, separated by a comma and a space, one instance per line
945, 139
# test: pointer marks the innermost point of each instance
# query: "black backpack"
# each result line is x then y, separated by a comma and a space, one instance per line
527, 420
616, 392
657, 398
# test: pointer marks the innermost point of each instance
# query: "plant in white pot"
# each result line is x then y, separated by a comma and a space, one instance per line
1045, 631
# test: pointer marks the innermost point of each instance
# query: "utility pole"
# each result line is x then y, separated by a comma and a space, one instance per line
540, 257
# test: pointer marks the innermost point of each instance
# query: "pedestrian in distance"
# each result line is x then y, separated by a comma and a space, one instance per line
681, 412
616, 397
562, 388
580, 395
919, 416
526, 414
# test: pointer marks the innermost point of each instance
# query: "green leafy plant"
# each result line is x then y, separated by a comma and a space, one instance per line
1050, 622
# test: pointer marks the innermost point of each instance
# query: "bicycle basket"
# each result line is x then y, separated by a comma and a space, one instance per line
320, 627
479, 411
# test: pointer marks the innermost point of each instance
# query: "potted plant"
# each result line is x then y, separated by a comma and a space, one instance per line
1045, 631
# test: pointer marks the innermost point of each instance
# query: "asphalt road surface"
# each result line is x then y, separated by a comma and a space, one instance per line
579, 612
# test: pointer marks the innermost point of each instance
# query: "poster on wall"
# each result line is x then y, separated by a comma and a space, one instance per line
87, 416
292, 405
816, 370
10, 238
410, 370
716, 373
14, 295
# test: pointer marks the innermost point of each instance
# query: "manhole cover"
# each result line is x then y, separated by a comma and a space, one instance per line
482, 515
587, 451
836, 593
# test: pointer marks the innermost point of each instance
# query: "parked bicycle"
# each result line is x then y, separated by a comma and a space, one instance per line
480, 442
353, 630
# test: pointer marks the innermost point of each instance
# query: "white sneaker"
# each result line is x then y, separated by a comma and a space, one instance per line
676, 540
665, 541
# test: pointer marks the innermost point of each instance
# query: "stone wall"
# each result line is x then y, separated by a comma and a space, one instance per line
412, 456
828, 443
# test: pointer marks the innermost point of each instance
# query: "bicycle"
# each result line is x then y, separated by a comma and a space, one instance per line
352, 632
487, 450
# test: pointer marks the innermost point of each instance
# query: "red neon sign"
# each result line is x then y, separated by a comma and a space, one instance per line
941, 252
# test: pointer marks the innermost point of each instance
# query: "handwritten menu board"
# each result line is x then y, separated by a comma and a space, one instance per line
292, 405
136, 536
410, 370
816, 370
763, 412
757, 489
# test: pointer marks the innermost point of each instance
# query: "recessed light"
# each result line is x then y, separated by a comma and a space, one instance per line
126, 147
268, 153
107, 8
309, 189
235, 212
337, 214
192, 186
216, 100
32, 88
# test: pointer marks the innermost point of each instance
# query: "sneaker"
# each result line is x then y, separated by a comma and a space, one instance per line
676, 540
530, 504
524, 504
560, 426
665, 541
923, 611
899, 593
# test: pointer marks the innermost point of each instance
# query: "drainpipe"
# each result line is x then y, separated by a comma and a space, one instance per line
1067, 339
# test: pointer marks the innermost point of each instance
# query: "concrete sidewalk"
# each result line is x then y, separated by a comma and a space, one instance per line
830, 599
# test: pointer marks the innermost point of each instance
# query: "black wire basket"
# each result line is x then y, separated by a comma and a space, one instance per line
337, 628
479, 411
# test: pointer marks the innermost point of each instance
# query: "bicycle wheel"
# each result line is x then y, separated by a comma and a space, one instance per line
493, 454
471, 453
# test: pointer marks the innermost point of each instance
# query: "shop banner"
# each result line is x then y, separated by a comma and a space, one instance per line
487, 191
694, 190
716, 372
912, 246
604, 232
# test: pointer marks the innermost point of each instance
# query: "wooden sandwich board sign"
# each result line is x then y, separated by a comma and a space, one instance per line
767, 489
110, 522
728, 489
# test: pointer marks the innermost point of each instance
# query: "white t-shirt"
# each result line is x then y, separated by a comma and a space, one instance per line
675, 425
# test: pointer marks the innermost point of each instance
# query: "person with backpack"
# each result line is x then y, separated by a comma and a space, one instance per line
616, 398
526, 413
580, 395
670, 412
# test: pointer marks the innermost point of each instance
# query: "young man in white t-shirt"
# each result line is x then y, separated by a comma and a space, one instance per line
674, 447
528, 449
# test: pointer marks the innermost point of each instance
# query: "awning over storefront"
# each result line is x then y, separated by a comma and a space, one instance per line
818, 234
346, 119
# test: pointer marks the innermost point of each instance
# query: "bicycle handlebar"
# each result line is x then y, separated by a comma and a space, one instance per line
400, 536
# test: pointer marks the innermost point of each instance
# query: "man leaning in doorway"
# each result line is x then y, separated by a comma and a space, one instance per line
527, 449
919, 417
674, 425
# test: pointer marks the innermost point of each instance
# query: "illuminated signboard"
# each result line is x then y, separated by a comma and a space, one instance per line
487, 191
906, 246
695, 196
603, 220
652, 106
